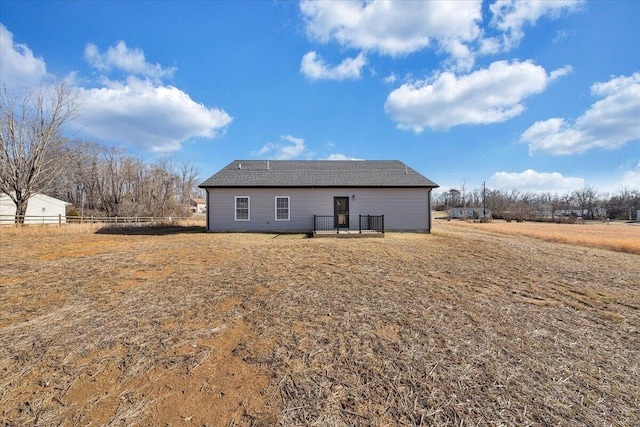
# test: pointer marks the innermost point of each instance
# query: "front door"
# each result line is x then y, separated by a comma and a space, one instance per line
341, 212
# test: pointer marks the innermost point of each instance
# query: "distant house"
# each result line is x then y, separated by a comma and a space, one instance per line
470, 213
306, 195
41, 209
198, 206
583, 213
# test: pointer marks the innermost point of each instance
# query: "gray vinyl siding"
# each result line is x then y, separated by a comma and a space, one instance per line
404, 209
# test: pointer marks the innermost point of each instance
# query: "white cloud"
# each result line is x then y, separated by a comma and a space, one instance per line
563, 35
139, 111
314, 67
488, 95
530, 180
626, 176
391, 28
631, 178
609, 123
391, 78
338, 156
120, 57
454, 28
290, 147
461, 56
19, 69
156, 118
511, 16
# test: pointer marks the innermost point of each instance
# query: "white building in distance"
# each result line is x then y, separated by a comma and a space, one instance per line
41, 209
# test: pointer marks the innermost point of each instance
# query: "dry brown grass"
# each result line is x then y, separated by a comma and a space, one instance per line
617, 236
460, 327
8, 231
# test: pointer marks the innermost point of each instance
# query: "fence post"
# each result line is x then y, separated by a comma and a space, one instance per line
360, 224
60, 220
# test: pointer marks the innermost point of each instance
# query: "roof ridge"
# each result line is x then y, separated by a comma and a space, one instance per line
317, 173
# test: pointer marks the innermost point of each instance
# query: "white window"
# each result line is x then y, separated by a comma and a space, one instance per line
242, 208
282, 208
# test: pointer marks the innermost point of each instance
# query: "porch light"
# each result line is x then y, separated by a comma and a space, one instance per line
353, 197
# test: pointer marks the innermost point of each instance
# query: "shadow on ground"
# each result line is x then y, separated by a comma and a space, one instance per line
154, 230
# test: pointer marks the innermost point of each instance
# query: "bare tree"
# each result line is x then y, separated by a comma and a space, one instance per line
463, 200
29, 131
624, 203
187, 181
113, 180
454, 198
84, 177
165, 183
585, 199
103, 180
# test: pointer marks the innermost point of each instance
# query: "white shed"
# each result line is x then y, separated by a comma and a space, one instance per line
41, 209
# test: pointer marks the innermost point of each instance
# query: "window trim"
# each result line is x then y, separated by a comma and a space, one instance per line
235, 208
288, 208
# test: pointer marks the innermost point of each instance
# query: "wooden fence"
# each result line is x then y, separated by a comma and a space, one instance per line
113, 220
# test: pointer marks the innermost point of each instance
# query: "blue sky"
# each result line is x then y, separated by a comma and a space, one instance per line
534, 96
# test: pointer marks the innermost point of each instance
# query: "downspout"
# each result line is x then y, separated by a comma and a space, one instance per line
429, 211
208, 210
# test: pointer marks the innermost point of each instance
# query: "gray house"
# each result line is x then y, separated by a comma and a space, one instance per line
318, 195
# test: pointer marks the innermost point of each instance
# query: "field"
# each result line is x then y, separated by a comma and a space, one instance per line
474, 324
617, 236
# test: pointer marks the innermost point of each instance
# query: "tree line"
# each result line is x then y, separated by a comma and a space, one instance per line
101, 180
96, 179
586, 202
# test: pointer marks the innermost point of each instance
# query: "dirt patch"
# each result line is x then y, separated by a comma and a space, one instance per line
461, 326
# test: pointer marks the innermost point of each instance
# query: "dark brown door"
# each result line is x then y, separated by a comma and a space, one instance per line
341, 212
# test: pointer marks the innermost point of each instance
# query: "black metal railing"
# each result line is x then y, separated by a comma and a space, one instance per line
371, 223
366, 223
324, 223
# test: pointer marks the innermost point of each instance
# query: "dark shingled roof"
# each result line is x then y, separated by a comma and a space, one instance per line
317, 173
